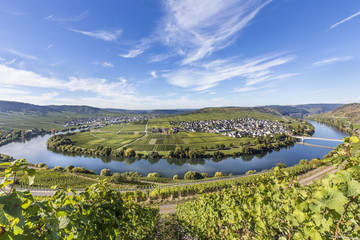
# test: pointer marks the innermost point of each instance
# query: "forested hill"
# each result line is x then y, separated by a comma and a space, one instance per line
296, 111
346, 118
299, 111
19, 107
8, 106
348, 112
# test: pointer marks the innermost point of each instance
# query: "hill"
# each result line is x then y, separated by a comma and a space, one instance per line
346, 117
299, 111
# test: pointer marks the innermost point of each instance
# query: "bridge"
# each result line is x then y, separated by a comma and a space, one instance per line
314, 145
303, 138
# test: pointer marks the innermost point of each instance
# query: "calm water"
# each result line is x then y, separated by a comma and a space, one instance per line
35, 151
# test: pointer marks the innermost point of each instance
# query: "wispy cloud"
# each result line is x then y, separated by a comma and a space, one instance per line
13, 12
63, 20
345, 20
22, 55
199, 28
248, 89
11, 61
154, 74
132, 53
103, 35
104, 64
49, 46
331, 60
48, 17
194, 29
209, 75
22, 78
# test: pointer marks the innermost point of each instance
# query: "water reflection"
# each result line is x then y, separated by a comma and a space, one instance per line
35, 151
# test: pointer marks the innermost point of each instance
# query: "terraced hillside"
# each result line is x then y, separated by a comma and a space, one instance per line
346, 117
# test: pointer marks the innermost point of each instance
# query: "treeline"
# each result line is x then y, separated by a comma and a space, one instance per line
338, 124
18, 135
303, 129
61, 143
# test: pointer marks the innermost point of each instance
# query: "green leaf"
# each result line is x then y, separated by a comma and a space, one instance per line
31, 180
10, 208
17, 230
300, 216
61, 214
31, 172
64, 221
354, 139
315, 235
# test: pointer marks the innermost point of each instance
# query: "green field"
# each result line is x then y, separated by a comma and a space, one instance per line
114, 136
117, 136
133, 135
47, 121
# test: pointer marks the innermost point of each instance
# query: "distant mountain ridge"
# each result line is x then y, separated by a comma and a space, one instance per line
296, 111
11, 106
299, 111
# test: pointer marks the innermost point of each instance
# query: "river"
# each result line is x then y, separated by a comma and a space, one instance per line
35, 151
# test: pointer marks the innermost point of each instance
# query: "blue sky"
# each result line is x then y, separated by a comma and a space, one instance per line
147, 54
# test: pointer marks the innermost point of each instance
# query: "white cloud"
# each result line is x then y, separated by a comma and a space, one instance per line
105, 64
154, 74
132, 53
49, 46
103, 35
63, 20
22, 78
48, 17
331, 60
22, 55
345, 20
197, 28
209, 75
10, 62
247, 89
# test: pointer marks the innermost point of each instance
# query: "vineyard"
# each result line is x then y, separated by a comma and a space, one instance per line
95, 213
277, 207
214, 186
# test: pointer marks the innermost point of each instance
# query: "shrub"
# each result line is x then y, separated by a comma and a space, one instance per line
41, 165
192, 175
304, 162
69, 168
117, 178
219, 174
131, 174
176, 177
154, 175
250, 172
315, 162
105, 172
281, 165
204, 175
82, 170
129, 153
58, 168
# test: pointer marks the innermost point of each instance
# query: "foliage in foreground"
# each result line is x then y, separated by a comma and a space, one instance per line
95, 213
277, 207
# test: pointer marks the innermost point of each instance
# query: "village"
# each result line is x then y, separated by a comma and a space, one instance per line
236, 128
101, 121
